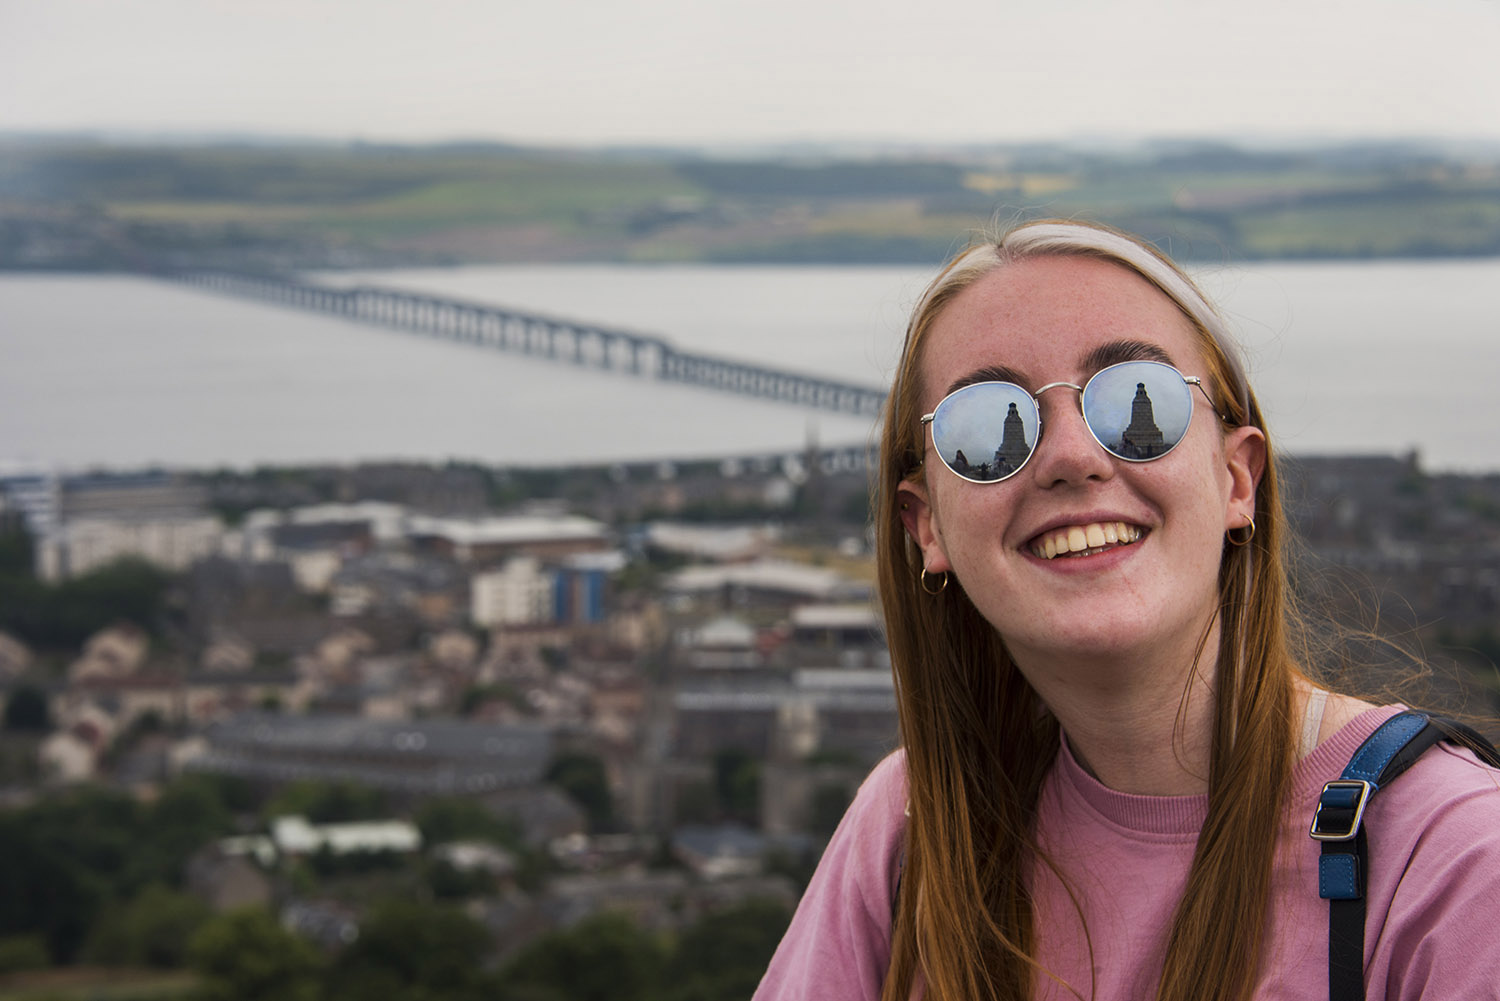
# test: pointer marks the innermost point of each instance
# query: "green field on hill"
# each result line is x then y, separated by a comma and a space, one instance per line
98, 205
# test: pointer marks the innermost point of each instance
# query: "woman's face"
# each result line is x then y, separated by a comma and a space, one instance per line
1060, 319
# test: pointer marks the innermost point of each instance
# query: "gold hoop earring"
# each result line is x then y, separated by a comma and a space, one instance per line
1235, 541
922, 579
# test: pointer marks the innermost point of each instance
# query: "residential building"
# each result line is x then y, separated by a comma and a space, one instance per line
486, 542
426, 757
764, 584
94, 520
520, 592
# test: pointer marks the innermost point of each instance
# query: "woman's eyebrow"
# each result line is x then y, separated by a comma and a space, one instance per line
1100, 357
990, 373
1115, 352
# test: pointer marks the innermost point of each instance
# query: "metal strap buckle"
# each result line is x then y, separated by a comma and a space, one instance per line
1341, 795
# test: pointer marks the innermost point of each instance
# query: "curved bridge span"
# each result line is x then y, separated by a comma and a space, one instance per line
541, 336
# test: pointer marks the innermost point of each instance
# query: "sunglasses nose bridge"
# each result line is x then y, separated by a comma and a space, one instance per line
1058, 428
1059, 385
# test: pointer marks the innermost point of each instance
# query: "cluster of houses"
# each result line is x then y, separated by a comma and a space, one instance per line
1422, 550
425, 653
441, 654
429, 655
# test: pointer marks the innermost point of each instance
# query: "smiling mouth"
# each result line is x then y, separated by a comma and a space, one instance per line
1084, 540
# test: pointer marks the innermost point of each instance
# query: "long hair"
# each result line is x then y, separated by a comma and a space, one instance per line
979, 743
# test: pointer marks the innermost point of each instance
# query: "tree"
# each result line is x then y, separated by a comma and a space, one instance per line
412, 949
455, 818
247, 956
829, 802
190, 813
49, 891
448, 882
16, 552
237, 794
23, 952
722, 957
603, 958
737, 782
128, 588
67, 859
154, 929
65, 615
583, 778
27, 710
328, 802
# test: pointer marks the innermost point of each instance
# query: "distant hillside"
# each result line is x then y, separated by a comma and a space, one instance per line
80, 205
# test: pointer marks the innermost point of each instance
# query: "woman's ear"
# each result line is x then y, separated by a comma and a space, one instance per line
1245, 461
922, 526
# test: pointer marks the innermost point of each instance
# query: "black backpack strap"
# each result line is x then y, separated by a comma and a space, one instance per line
1338, 824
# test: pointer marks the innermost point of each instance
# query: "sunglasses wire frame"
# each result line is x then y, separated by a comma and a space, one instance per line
1013, 452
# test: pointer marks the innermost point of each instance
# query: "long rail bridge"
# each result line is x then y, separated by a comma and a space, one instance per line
540, 336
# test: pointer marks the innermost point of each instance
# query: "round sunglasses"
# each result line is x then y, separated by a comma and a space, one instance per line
1136, 411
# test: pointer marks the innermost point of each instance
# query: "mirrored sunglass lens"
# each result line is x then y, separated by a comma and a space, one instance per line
985, 432
1138, 410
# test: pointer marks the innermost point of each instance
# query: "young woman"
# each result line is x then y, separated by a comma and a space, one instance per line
1109, 753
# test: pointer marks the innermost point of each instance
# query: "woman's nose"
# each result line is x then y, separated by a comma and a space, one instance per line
1066, 451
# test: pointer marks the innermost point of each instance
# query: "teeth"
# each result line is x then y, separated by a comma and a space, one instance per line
1085, 540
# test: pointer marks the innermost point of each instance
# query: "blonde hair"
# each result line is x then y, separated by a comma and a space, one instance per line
978, 743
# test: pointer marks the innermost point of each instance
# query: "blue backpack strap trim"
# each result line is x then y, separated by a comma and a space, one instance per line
1382, 746
1338, 822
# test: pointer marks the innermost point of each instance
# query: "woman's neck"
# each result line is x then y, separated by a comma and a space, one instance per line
1154, 748
1139, 723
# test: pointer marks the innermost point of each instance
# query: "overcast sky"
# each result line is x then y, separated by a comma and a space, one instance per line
749, 71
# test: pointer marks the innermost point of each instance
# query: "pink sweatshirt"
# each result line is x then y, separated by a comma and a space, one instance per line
1433, 894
